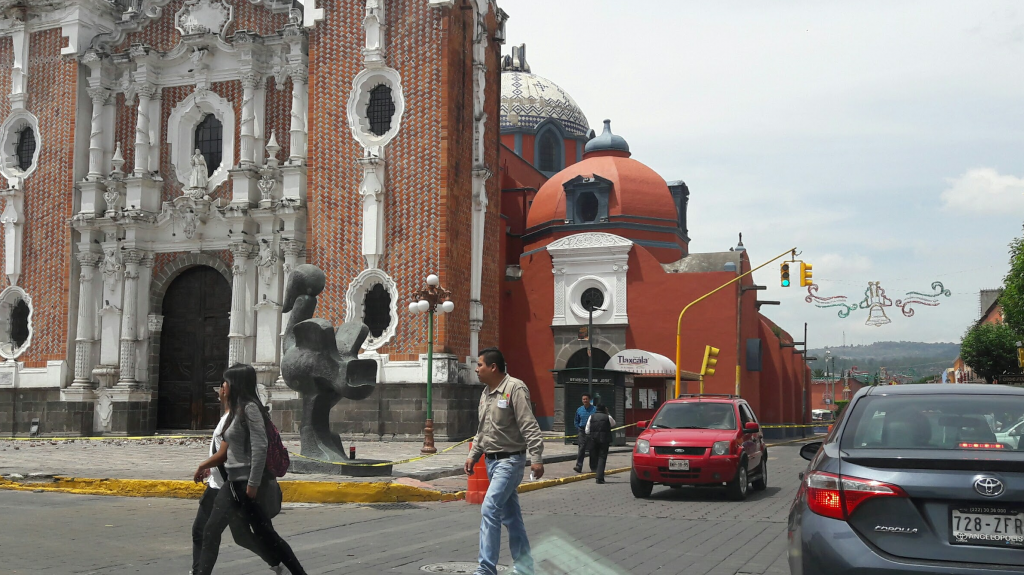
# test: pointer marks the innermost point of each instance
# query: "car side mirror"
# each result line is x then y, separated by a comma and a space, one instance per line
808, 451
641, 425
751, 427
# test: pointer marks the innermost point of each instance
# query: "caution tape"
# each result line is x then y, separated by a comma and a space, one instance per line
97, 438
546, 438
819, 425
395, 463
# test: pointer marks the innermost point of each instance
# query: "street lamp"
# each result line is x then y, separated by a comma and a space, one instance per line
432, 299
592, 300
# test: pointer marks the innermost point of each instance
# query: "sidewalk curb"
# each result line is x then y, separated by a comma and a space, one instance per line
292, 490
437, 473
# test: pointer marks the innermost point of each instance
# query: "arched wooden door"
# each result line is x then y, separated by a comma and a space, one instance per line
193, 349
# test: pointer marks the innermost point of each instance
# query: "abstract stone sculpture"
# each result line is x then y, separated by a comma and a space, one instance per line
322, 366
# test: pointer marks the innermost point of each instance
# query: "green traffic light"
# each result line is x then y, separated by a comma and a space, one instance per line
785, 282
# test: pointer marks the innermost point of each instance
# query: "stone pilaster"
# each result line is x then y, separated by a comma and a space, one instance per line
241, 252
299, 76
99, 98
129, 319
86, 321
250, 80
142, 142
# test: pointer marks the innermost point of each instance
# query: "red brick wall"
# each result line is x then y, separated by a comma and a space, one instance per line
162, 35
49, 196
494, 226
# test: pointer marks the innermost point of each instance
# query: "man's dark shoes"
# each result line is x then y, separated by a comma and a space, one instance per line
578, 469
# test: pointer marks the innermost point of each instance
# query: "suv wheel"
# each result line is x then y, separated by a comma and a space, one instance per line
762, 480
737, 489
640, 488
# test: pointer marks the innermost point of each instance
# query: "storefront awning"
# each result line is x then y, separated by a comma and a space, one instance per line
642, 362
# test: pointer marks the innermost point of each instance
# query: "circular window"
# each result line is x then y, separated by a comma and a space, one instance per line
592, 299
15, 322
380, 109
586, 207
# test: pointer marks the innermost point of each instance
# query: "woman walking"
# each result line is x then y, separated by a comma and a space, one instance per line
210, 472
244, 454
599, 428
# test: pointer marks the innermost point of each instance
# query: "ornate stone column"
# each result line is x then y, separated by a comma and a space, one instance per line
86, 321
479, 219
299, 75
144, 93
236, 336
99, 98
129, 320
250, 80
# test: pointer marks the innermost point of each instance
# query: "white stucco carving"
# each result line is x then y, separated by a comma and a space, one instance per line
9, 298
204, 17
359, 98
590, 260
356, 295
181, 128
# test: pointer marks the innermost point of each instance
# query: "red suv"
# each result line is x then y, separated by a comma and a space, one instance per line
700, 439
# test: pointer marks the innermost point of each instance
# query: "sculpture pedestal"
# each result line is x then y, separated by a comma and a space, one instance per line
355, 468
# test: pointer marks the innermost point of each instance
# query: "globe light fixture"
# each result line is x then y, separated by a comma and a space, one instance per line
433, 299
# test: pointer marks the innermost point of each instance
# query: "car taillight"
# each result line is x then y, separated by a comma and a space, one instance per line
837, 496
982, 445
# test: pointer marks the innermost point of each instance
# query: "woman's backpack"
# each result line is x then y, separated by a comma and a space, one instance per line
277, 455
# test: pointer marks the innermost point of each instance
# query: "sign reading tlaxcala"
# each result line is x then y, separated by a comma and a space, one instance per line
641, 362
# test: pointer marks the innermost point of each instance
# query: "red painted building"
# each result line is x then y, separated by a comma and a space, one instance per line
607, 230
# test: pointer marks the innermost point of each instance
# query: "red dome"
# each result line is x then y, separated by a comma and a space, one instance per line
637, 191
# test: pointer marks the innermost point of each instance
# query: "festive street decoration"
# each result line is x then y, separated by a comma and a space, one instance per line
875, 302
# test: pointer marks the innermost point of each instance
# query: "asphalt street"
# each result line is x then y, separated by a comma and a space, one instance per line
578, 528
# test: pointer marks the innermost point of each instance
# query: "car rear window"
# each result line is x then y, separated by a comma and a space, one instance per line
938, 421
707, 415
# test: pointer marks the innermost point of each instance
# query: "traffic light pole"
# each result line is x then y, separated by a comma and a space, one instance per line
679, 323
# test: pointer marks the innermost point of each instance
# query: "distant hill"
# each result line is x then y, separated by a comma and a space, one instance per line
920, 358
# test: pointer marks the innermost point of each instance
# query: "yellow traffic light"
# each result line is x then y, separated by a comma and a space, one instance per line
805, 274
1020, 357
785, 274
710, 360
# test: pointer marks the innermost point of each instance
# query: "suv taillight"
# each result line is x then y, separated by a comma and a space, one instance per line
837, 496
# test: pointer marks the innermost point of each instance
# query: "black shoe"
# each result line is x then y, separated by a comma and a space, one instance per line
600, 481
578, 469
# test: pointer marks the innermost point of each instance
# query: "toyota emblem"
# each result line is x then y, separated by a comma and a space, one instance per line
988, 486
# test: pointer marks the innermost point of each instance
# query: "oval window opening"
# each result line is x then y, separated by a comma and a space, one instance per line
380, 109
25, 149
377, 310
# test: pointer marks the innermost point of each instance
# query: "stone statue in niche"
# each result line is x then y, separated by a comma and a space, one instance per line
324, 367
200, 177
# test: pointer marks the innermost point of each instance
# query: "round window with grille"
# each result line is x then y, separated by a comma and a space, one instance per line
380, 109
592, 299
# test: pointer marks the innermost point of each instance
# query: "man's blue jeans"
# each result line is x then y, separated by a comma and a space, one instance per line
501, 506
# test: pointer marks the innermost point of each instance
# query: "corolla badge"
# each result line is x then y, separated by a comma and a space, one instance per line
896, 529
988, 486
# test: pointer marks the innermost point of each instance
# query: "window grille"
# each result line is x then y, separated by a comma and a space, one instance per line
549, 158
380, 109
209, 141
587, 207
26, 148
377, 310
592, 299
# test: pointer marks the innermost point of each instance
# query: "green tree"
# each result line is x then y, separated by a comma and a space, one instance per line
1012, 299
991, 350
818, 373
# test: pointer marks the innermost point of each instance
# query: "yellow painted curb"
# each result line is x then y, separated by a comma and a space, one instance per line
292, 490
531, 486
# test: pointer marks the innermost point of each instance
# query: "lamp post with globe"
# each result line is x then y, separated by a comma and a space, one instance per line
433, 299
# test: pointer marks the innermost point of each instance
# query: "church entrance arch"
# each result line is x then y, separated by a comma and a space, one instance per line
193, 349
580, 359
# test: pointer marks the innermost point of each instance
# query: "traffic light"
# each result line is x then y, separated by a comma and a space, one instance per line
805, 274
785, 274
710, 360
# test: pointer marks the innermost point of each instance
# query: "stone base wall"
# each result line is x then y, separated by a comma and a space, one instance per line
132, 418
19, 406
395, 411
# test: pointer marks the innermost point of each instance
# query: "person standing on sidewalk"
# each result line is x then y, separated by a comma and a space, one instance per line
209, 471
506, 431
244, 455
599, 429
583, 414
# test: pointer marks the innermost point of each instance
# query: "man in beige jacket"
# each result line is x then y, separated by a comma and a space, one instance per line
506, 432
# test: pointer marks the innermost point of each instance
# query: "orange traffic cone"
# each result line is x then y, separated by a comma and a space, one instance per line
477, 484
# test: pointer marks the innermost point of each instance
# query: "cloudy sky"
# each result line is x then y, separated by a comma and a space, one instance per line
884, 139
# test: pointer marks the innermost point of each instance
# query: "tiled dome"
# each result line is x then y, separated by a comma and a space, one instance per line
527, 100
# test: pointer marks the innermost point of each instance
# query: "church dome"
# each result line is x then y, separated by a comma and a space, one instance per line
528, 100
638, 193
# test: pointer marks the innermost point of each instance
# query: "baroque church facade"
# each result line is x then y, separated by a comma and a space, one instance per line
167, 163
